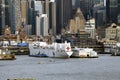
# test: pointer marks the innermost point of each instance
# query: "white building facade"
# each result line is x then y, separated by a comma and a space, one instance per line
42, 25
90, 27
41, 20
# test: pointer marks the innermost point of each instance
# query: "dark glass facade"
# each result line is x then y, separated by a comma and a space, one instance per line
86, 7
2, 15
0, 20
52, 17
64, 12
7, 12
112, 10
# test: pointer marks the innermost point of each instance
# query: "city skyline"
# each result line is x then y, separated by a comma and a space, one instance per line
62, 13
59, 39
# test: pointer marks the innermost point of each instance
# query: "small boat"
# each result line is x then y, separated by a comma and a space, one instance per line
59, 50
115, 50
6, 55
84, 53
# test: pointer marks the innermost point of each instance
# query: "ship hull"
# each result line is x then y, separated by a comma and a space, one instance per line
50, 52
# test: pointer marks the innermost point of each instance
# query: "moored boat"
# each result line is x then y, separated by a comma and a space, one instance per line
115, 50
21, 48
60, 50
6, 55
84, 53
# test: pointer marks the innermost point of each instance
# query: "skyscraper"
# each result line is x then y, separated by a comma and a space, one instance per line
24, 10
11, 14
112, 10
52, 17
31, 15
38, 13
38, 7
86, 7
42, 25
45, 6
2, 15
15, 15
64, 12
7, 12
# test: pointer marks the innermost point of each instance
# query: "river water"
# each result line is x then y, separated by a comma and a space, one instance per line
105, 67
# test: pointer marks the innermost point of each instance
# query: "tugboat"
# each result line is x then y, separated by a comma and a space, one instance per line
6, 55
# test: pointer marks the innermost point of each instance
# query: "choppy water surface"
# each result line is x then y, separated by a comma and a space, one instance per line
105, 67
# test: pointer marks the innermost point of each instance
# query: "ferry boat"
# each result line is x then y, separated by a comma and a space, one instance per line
59, 50
21, 48
84, 53
6, 55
